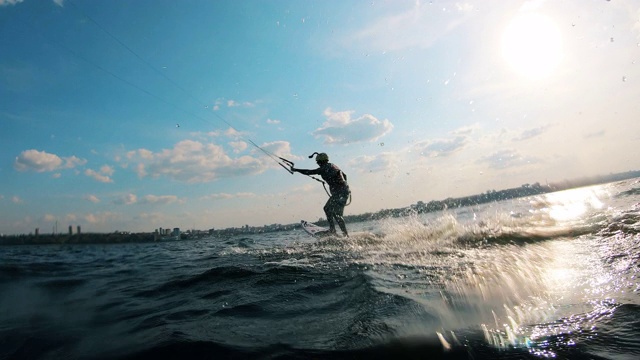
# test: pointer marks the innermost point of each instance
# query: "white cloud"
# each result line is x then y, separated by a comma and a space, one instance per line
219, 196
466, 130
9, 2
416, 27
159, 199
59, 2
595, 134
279, 148
223, 196
378, 163
101, 218
531, 133
442, 147
107, 170
232, 103
230, 133
16, 200
71, 162
464, 7
195, 162
41, 161
273, 121
507, 158
340, 128
238, 146
127, 199
98, 176
92, 198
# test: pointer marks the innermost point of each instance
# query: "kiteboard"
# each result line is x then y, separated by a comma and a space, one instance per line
315, 230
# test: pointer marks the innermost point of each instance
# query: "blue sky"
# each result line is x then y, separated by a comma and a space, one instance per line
134, 115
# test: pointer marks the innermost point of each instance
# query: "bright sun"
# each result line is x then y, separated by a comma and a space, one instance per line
532, 45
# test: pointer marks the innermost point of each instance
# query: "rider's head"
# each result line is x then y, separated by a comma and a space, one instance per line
322, 158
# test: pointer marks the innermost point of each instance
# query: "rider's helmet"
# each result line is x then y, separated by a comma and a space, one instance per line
322, 158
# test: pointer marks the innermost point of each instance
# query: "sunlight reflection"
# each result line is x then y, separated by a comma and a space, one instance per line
570, 294
572, 204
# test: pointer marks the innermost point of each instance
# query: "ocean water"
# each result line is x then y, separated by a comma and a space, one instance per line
550, 276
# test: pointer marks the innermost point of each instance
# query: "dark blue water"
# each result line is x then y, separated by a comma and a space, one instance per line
553, 276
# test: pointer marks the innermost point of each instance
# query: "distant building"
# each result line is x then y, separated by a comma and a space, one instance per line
78, 230
70, 230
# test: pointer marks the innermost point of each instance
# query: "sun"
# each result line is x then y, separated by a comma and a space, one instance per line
532, 45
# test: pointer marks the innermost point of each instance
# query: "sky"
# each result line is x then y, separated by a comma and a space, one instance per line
135, 115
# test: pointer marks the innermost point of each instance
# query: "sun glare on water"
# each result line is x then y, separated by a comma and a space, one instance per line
532, 45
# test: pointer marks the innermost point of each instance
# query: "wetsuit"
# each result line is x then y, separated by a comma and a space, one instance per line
334, 208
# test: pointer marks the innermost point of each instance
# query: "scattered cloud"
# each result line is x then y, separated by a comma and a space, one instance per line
273, 121
194, 162
596, 134
230, 103
219, 196
466, 130
507, 158
279, 148
59, 2
131, 199
92, 198
102, 217
102, 176
230, 133
9, 2
127, 199
340, 128
233, 103
238, 146
223, 196
415, 27
42, 161
442, 147
464, 7
378, 163
17, 200
107, 170
159, 199
531, 133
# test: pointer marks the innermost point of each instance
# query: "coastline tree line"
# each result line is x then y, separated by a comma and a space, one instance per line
419, 208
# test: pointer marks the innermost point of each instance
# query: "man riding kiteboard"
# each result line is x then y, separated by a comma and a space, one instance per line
340, 192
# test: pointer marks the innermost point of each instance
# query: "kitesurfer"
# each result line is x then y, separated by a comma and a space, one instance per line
340, 192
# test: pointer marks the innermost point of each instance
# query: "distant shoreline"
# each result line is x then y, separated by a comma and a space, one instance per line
418, 208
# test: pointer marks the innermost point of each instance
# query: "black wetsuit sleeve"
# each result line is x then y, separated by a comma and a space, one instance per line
308, 172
